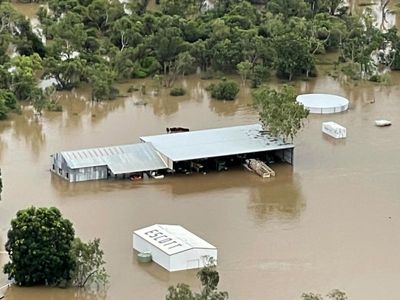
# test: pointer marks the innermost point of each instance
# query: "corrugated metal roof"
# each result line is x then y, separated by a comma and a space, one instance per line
172, 239
120, 159
215, 142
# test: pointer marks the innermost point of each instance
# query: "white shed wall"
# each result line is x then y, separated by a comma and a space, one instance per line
90, 173
191, 259
185, 260
157, 255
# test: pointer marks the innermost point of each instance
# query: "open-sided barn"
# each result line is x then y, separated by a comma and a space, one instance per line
171, 152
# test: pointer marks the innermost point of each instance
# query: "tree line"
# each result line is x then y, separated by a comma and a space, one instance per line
100, 42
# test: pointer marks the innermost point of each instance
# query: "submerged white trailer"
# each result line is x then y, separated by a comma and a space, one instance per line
173, 247
334, 130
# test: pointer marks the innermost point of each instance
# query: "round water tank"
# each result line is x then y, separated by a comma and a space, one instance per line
323, 103
144, 257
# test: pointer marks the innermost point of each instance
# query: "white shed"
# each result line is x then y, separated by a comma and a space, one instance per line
173, 247
334, 130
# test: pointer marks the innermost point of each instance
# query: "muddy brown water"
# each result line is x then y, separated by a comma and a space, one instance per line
329, 222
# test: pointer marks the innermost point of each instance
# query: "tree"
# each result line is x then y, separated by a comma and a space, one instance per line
178, 7
244, 70
89, 263
39, 244
101, 78
361, 42
333, 295
337, 295
69, 36
180, 292
288, 8
3, 110
292, 56
67, 73
279, 111
209, 278
224, 90
23, 75
8, 102
39, 100
311, 296
182, 64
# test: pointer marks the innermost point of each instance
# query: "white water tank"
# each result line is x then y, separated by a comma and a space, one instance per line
334, 130
323, 103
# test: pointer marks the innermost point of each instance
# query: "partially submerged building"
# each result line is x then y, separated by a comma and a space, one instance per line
174, 247
185, 151
106, 162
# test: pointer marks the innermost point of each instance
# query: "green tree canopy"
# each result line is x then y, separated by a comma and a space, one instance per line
209, 278
224, 90
8, 102
279, 111
89, 263
39, 244
332, 295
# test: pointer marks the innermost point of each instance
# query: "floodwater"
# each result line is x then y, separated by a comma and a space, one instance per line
329, 222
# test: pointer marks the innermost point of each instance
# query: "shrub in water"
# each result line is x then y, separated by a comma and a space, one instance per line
224, 90
177, 91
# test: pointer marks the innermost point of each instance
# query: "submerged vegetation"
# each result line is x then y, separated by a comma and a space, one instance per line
209, 278
224, 90
279, 111
100, 42
43, 250
177, 91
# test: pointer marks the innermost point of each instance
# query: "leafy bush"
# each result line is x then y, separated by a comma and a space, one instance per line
53, 105
139, 73
177, 91
384, 78
133, 88
224, 90
8, 102
89, 263
39, 244
150, 65
279, 111
206, 76
209, 278
43, 251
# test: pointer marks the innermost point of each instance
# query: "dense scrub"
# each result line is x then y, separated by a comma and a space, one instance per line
103, 41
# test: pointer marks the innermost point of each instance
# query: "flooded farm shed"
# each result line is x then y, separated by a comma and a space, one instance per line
174, 247
185, 151
106, 162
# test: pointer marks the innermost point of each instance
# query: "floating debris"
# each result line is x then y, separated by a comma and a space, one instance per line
382, 123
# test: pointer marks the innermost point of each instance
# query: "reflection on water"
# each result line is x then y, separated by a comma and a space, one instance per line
38, 293
25, 127
277, 197
157, 273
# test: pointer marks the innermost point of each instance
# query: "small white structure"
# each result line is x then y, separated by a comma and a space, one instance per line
382, 123
334, 130
323, 103
173, 247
